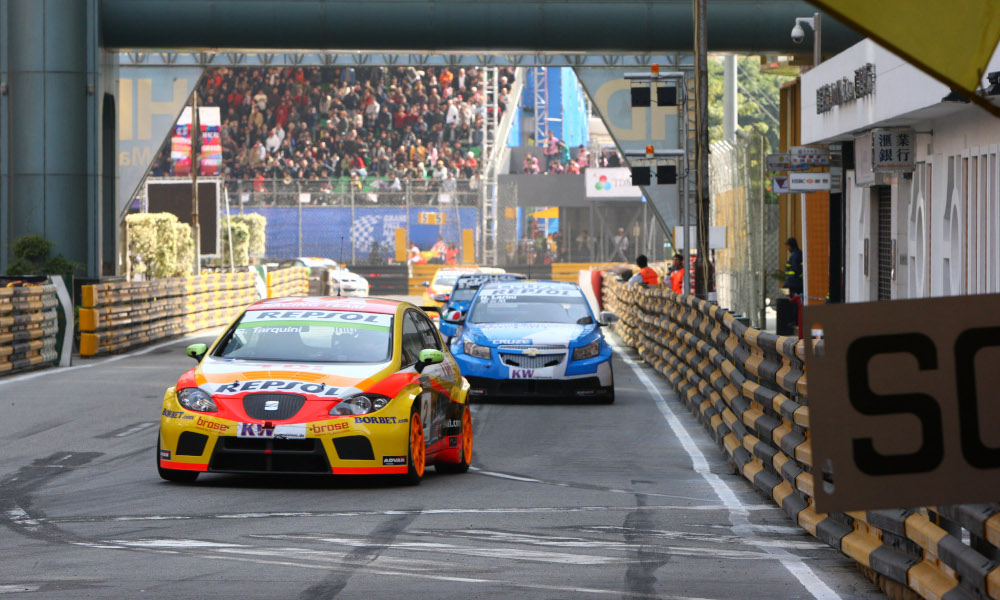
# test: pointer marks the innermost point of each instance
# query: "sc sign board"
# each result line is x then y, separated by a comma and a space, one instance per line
903, 401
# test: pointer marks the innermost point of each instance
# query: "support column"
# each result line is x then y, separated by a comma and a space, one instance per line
730, 117
48, 191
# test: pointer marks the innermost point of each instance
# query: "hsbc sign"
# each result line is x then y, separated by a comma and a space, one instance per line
903, 402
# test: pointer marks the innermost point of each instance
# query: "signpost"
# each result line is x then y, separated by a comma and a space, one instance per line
808, 182
901, 400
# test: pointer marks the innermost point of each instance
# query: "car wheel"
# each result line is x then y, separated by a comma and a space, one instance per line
173, 474
609, 397
465, 448
417, 453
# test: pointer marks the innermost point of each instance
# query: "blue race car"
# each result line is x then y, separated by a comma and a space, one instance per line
536, 339
458, 302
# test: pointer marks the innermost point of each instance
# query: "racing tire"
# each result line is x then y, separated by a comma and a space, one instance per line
608, 398
465, 450
173, 475
416, 459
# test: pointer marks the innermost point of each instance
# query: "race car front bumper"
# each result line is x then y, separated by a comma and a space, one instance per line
583, 388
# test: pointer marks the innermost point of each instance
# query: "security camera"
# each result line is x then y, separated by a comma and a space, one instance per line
798, 34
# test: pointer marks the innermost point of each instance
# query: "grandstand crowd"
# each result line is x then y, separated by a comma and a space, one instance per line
323, 123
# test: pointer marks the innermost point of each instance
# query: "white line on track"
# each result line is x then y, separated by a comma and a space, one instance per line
15, 588
738, 514
94, 363
135, 429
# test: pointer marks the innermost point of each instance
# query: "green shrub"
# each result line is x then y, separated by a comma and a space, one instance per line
256, 224
31, 257
238, 235
159, 245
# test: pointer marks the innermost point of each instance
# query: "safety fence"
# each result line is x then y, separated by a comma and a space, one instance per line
28, 326
117, 316
293, 281
749, 388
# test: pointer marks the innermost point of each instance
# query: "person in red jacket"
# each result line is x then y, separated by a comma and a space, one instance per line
646, 275
677, 274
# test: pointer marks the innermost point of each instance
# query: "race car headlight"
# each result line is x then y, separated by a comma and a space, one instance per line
589, 351
478, 351
196, 399
362, 404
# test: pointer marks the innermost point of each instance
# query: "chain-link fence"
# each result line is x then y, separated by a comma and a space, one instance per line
740, 202
355, 221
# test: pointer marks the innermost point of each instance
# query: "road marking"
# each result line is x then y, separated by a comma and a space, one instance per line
363, 513
15, 588
214, 332
128, 430
738, 514
245, 555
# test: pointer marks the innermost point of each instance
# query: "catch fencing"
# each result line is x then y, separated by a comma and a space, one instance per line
750, 389
28, 326
741, 203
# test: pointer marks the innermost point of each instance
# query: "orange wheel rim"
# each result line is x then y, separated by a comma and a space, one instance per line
417, 444
467, 435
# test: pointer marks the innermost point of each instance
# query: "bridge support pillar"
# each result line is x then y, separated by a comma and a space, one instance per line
50, 175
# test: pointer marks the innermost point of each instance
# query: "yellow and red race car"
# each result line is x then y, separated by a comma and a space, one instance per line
343, 386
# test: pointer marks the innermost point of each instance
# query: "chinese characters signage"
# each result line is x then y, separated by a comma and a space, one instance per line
846, 90
892, 150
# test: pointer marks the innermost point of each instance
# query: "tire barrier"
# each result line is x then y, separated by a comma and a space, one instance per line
293, 281
749, 388
29, 325
118, 316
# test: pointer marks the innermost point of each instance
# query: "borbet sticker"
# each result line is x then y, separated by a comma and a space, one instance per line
388, 461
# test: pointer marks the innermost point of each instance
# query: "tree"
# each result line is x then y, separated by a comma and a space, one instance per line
758, 97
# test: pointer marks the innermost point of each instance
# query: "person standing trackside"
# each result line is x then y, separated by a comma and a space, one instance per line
620, 245
793, 267
677, 274
646, 275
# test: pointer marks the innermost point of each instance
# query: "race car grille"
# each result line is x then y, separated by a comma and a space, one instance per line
354, 447
543, 347
288, 405
243, 455
531, 362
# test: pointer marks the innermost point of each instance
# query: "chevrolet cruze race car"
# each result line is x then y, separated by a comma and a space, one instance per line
461, 296
534, 339
319, 385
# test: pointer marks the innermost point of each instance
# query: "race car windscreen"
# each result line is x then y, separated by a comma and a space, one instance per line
530, 305
445, 279
467, 285
309, 336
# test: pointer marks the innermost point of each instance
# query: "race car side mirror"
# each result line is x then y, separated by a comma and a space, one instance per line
196, 351
608, 318
428, 356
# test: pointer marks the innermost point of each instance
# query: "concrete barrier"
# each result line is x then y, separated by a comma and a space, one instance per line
750, 389
121, 315
28, 325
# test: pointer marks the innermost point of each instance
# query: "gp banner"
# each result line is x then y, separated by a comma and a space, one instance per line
210, 123
180, 144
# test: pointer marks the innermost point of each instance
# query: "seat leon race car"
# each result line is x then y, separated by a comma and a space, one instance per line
534, 339
342, 386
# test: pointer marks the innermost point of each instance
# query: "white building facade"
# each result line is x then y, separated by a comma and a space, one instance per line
932, 232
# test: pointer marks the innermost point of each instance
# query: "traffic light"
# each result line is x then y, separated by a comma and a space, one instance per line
666, 174
640, 96
666, 95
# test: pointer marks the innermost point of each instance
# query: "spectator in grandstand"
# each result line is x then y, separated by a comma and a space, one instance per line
530, 164
551, 149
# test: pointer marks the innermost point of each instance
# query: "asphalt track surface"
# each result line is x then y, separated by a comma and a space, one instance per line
565, 500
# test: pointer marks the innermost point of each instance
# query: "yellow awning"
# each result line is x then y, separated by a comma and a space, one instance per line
951, 41
548, 213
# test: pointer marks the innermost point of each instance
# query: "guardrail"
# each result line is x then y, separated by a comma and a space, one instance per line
28, 326
750, 390
116, 316
293, 281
